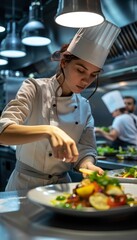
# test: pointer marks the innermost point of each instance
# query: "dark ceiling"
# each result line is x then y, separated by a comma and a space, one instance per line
123, 54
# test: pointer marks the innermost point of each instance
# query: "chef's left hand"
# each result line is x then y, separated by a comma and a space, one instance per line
87, 164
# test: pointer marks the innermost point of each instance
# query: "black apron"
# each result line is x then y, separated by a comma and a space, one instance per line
120, 143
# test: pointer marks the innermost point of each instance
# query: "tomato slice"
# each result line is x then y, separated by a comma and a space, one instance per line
115, 201
97, 187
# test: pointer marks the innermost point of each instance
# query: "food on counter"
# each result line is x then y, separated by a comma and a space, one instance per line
99, 192
127, 154
126, 157
107, 150
106, 129
130, 153
128, 172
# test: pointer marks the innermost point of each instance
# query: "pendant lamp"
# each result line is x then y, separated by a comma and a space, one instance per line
2, 28
12, 46
3, 61
34, 32
79, 13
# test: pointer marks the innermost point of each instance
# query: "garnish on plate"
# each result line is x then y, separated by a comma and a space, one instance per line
99, 192
128, 172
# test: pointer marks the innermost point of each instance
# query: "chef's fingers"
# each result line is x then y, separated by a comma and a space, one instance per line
75, 152
97, 169
63, 145
67, 152
56, 145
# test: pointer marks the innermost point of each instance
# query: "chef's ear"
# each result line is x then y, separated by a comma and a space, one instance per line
63, 63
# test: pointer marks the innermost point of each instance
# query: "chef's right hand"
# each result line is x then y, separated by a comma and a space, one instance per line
63, 146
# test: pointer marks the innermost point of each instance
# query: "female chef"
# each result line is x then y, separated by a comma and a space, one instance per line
49, 121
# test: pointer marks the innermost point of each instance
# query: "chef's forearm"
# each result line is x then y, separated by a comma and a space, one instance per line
107, 135
19, 134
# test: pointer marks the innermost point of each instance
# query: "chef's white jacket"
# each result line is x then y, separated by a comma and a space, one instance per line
36, 103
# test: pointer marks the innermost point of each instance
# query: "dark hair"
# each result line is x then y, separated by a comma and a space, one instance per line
68, 57
122, 110
128, 97
63, 54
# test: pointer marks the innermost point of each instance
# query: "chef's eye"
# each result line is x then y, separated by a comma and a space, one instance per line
94, 74
80, 70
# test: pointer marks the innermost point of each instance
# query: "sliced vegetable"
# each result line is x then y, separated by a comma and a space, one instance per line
114, 190
99, 201
86, 171
117, 201
85, 191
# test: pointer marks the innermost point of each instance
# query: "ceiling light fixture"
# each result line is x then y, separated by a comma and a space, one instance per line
34, 32
2, 28
79, 13
12, 46
3, 61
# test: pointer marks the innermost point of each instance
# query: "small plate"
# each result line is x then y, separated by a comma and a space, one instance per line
126, 157
101, 157
44, 195
116, 174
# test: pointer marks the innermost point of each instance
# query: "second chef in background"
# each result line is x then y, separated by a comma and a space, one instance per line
123, 131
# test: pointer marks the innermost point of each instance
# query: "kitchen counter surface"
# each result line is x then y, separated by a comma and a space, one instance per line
24, 220
113, 163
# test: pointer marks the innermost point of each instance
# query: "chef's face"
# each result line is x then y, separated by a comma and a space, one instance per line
130, 106
79, 74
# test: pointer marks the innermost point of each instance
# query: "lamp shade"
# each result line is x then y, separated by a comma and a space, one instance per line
3, 61
34, 32
2, 28
79, 13
12, 46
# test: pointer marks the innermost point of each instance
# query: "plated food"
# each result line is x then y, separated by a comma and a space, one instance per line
130, 153
106, 151
45, 196
128, 156
96, 191
127, 174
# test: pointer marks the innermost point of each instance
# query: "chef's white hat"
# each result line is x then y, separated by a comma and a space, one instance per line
113, 100
92, 44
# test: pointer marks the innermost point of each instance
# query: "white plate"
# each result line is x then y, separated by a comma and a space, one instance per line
113, 173
44, 195
101, 157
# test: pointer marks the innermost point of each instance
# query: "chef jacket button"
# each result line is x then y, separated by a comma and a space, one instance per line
50, 154
76, 122
54, 105
75, 106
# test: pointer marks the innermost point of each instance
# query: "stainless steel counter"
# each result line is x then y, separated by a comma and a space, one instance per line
113, 163
24, 220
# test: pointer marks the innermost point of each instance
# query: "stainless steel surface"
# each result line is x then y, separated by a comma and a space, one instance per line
113, 163
34, 222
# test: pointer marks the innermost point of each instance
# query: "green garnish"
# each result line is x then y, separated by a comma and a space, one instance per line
103, 180
60, 198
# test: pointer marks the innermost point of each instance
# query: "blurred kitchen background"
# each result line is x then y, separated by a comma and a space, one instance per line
119, 72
